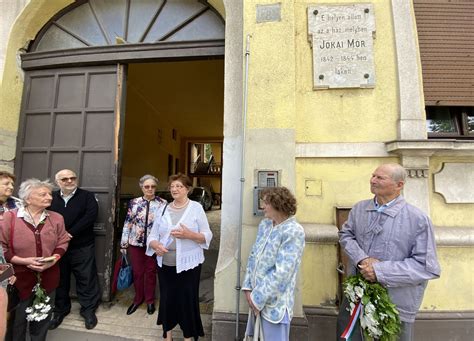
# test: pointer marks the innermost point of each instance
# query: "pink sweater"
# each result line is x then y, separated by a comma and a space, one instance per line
47, 239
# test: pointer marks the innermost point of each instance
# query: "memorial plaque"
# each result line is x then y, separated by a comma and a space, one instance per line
342, 41
268, 13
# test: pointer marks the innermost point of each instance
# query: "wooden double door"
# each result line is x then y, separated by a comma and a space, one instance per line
70, 119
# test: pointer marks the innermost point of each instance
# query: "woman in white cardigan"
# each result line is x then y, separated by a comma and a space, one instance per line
180, 233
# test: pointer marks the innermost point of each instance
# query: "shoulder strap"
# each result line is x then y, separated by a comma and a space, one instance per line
162, 213
12, 229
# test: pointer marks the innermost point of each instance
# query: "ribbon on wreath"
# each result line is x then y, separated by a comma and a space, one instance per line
347, 333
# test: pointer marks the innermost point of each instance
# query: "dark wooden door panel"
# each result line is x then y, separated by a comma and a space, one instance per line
68, 120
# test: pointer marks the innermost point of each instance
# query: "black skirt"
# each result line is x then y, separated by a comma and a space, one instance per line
179, 301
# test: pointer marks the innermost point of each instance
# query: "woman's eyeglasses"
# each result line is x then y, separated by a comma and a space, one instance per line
149, 186
176, 186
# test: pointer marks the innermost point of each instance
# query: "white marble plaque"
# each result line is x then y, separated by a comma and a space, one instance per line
342, 39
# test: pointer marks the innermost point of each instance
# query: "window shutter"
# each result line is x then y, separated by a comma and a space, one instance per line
446, 40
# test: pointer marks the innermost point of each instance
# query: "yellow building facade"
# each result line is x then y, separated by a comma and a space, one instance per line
323, 142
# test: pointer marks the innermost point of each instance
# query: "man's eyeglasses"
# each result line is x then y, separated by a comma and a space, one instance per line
149, 186
72, 178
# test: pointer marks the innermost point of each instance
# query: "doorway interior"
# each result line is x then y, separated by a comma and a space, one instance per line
173, 122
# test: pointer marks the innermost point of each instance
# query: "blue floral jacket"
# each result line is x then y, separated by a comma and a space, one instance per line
139, 220
272, 267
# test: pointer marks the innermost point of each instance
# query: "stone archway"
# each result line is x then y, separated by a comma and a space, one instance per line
56, 93
38, 12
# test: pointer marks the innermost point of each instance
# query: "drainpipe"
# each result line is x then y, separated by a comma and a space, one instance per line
242, 182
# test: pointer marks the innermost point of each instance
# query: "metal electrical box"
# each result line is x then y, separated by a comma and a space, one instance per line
265, 179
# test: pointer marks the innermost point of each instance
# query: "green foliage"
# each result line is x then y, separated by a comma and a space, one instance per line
379, 316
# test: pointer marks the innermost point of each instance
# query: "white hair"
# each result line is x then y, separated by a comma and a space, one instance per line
29, 185
147, 177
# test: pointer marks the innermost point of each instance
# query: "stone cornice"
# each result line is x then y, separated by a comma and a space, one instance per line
320, 233
445, 236
341, 149
430, 147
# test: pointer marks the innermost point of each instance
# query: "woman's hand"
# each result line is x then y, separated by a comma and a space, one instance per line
183, 232
12, 280
43, 265
250, 302
159, 249
123, 248
27, 261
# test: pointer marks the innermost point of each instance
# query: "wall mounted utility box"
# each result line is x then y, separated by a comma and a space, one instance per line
265, 179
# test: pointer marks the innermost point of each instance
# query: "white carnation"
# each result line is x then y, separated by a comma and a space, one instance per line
359, 291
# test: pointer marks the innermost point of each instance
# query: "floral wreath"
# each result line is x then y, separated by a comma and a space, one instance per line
371, 304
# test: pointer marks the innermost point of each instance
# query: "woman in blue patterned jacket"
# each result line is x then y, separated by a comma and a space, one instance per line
273, 263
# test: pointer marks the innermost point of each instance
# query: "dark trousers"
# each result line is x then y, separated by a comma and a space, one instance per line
344, 316
81, 263
18, 325
144, 275
179, 301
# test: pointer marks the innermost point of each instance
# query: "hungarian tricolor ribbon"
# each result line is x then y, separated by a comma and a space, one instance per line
346, 334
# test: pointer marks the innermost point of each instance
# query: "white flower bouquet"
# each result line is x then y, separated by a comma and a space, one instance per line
40, 308
378, 316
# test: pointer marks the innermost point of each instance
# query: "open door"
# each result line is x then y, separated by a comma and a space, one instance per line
70, 119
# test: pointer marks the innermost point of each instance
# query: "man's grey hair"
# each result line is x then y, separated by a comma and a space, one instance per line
147, 177
398, 172
29, 185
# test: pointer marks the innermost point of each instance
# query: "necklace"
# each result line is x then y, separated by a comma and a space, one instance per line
178, 207
31, 216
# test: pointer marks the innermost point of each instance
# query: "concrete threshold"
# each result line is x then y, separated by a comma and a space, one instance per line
115, 324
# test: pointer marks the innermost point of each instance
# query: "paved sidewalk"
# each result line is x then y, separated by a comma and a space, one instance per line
114, 324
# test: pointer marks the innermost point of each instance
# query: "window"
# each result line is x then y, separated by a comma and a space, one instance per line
205, 158
450, 122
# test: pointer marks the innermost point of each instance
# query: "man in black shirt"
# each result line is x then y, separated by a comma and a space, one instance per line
79, 209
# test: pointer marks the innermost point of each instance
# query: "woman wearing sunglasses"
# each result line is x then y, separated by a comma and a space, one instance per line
137, 227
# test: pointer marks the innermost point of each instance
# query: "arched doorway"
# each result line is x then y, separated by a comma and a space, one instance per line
73, 109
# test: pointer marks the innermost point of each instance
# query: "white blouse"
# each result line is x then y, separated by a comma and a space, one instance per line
189, 254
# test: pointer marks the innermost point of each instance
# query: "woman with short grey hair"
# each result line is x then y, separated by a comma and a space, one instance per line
145, 178
33, 239
29, 185
137, 227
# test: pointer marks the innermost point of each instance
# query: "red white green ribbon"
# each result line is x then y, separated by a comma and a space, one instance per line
347, 333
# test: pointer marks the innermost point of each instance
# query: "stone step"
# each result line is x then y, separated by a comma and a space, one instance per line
115, 324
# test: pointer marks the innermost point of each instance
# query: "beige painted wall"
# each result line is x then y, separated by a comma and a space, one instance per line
347, 115
343, 182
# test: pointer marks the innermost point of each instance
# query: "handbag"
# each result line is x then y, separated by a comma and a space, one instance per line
117, 267
13, 297
125, 276
257, 329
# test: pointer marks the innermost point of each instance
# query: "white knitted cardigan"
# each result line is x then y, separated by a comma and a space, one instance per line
189, 254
